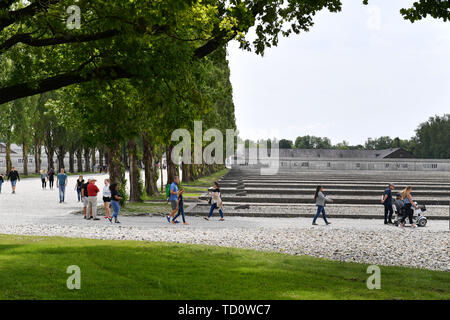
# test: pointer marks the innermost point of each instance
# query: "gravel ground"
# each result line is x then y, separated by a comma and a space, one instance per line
364, 241
35, 212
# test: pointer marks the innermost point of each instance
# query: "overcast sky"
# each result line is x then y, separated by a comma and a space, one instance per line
363, 72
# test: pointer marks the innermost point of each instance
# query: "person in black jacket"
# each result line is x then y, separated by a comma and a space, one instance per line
1, 182
13, 176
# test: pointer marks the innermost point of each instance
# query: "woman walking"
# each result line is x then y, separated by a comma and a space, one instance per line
216, 202
2, 179
107, 199
115, 198
409, 203
79, 186
44, 178
321, 201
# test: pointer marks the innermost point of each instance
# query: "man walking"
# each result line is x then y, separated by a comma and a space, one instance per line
387, 202
173, 198
92, 191
13, 176
61, 183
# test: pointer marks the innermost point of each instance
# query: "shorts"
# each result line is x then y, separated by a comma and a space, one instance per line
174, 204
13, 183
85, 201
106, 199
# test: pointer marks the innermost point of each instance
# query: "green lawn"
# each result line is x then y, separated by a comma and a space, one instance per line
208, 180
35, 268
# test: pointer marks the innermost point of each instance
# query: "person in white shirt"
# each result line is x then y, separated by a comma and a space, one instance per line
107, 199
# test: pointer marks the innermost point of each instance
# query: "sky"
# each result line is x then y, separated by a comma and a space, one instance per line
363, 72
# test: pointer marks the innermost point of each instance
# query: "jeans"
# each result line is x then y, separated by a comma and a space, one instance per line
320, 209
13, 183
388, 211
1, 182
62, 192
79, 194
44, 183
116, 207
211, 210
50, 182
180, 211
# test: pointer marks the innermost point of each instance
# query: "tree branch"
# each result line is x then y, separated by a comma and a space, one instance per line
56, 82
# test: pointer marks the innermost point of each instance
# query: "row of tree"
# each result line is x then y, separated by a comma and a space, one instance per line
432, 141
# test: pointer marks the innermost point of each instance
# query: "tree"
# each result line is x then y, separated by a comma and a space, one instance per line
285, 144
118, 38
433, 138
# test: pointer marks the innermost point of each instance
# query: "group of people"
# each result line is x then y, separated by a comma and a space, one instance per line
87, 194
175, 197
403, 205
12, 176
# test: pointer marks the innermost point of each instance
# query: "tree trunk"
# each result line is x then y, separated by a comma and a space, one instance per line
162, 172
149, 166
25, 158
135, 195
50, 152
115, 163
8, 156
80, 160
86, 160
171, 167
61, 155
37, 155
100, 156
94, 160
72, 159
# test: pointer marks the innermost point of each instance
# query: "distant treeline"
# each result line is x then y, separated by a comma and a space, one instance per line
432, 140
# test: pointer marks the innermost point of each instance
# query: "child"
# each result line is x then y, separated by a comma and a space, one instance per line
115, 197
398, 203
321, 201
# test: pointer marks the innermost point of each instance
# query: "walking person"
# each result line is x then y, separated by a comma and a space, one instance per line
180, 209
409, 203
115, 198
2, 179
61, 183
13, 176
84, 199
44, 177
321, 201
173, 198
92, 191
107, 199
387, 202
216, 202
51, 178
79, 187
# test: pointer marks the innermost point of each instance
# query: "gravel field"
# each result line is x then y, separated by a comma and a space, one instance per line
35, 212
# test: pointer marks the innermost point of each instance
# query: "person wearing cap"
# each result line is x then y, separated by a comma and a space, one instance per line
92, 191
387, 202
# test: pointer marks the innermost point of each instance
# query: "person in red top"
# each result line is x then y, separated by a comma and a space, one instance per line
92, 191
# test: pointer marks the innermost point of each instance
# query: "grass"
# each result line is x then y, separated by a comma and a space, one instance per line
35, 268
208, 180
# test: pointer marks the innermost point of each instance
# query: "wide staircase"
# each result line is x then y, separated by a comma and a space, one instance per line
356, 194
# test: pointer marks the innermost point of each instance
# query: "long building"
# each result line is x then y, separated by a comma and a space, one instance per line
395, 159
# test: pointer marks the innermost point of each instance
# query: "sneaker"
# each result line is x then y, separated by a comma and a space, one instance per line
90, 218
185, 223
116, 221
314, 224
221, 219
206, 218
84, 217
168, 218
328, 223
110, 220
96, 218
175, 221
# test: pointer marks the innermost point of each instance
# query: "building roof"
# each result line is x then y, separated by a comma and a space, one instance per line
393, 153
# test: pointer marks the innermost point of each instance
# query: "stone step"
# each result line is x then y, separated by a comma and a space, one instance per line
310, 191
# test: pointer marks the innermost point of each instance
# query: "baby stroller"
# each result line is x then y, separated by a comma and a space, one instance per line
418, 218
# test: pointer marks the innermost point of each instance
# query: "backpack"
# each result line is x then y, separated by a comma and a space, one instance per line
167, 190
